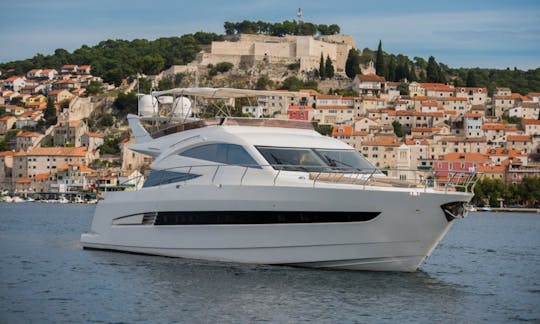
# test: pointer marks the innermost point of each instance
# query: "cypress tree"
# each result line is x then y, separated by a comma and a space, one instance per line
322, 68
391, 70
352, 65
379, 61
471, 79
329, 68
432, 70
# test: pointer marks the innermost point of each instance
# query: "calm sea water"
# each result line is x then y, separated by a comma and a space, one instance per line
487, 269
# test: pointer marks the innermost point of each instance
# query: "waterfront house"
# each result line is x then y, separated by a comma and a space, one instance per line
6, 167
295, 112
47, 160
453, 164
72, 177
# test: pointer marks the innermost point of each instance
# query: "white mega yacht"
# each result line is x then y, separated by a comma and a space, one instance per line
272, 191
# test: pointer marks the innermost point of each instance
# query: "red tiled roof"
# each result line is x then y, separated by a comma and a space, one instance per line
62, 151
23, 180
531, 121
370, 77
472, 115
479, 157
518, 138
41, 176
29, 134
493, 127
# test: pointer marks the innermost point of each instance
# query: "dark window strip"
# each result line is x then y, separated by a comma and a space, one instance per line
259, 217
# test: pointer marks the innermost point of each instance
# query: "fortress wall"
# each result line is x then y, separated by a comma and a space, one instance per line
274, 49
208, 58
232, 48
338, 39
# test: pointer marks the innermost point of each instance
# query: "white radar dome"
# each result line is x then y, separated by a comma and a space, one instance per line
148, 106
182, 107
165, 99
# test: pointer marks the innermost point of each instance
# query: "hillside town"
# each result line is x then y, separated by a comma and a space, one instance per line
428, 126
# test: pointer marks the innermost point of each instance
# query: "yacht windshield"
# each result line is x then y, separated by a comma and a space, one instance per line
346, 160
293, 159
315, 160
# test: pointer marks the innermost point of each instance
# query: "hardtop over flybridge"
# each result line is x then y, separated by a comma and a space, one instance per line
273, 191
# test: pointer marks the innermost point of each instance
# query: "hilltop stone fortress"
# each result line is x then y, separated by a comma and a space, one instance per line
245, 50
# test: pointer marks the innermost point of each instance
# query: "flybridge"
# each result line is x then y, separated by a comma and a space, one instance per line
234, 121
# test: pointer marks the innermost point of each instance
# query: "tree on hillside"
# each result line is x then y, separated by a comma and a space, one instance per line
398, 130
322, 68
432, 70
263, 82
379, 61
352, 65
403, 89
150, 64
95, 87
329, 68
126, 103
391, 70
471, 79
50, 113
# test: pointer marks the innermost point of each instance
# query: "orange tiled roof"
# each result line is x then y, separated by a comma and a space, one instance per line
41, 176
370, 77
101, 135
413, 142
7, 153
6, 118
518, 138
531, 121
346, 130
472, 115
383, 140
425, 129
518, 96
62, 151
499, 151
493, 127
81, 167
491, 168
478, 157
436, 86
29, 134
24, 180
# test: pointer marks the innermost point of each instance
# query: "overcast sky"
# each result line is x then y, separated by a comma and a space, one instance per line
460, 33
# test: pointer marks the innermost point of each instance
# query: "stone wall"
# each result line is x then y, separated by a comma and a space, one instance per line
248, 49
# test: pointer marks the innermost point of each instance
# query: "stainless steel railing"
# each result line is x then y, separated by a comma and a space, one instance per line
281, 175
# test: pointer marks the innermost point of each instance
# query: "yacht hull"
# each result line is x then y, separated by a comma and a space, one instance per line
404, 227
